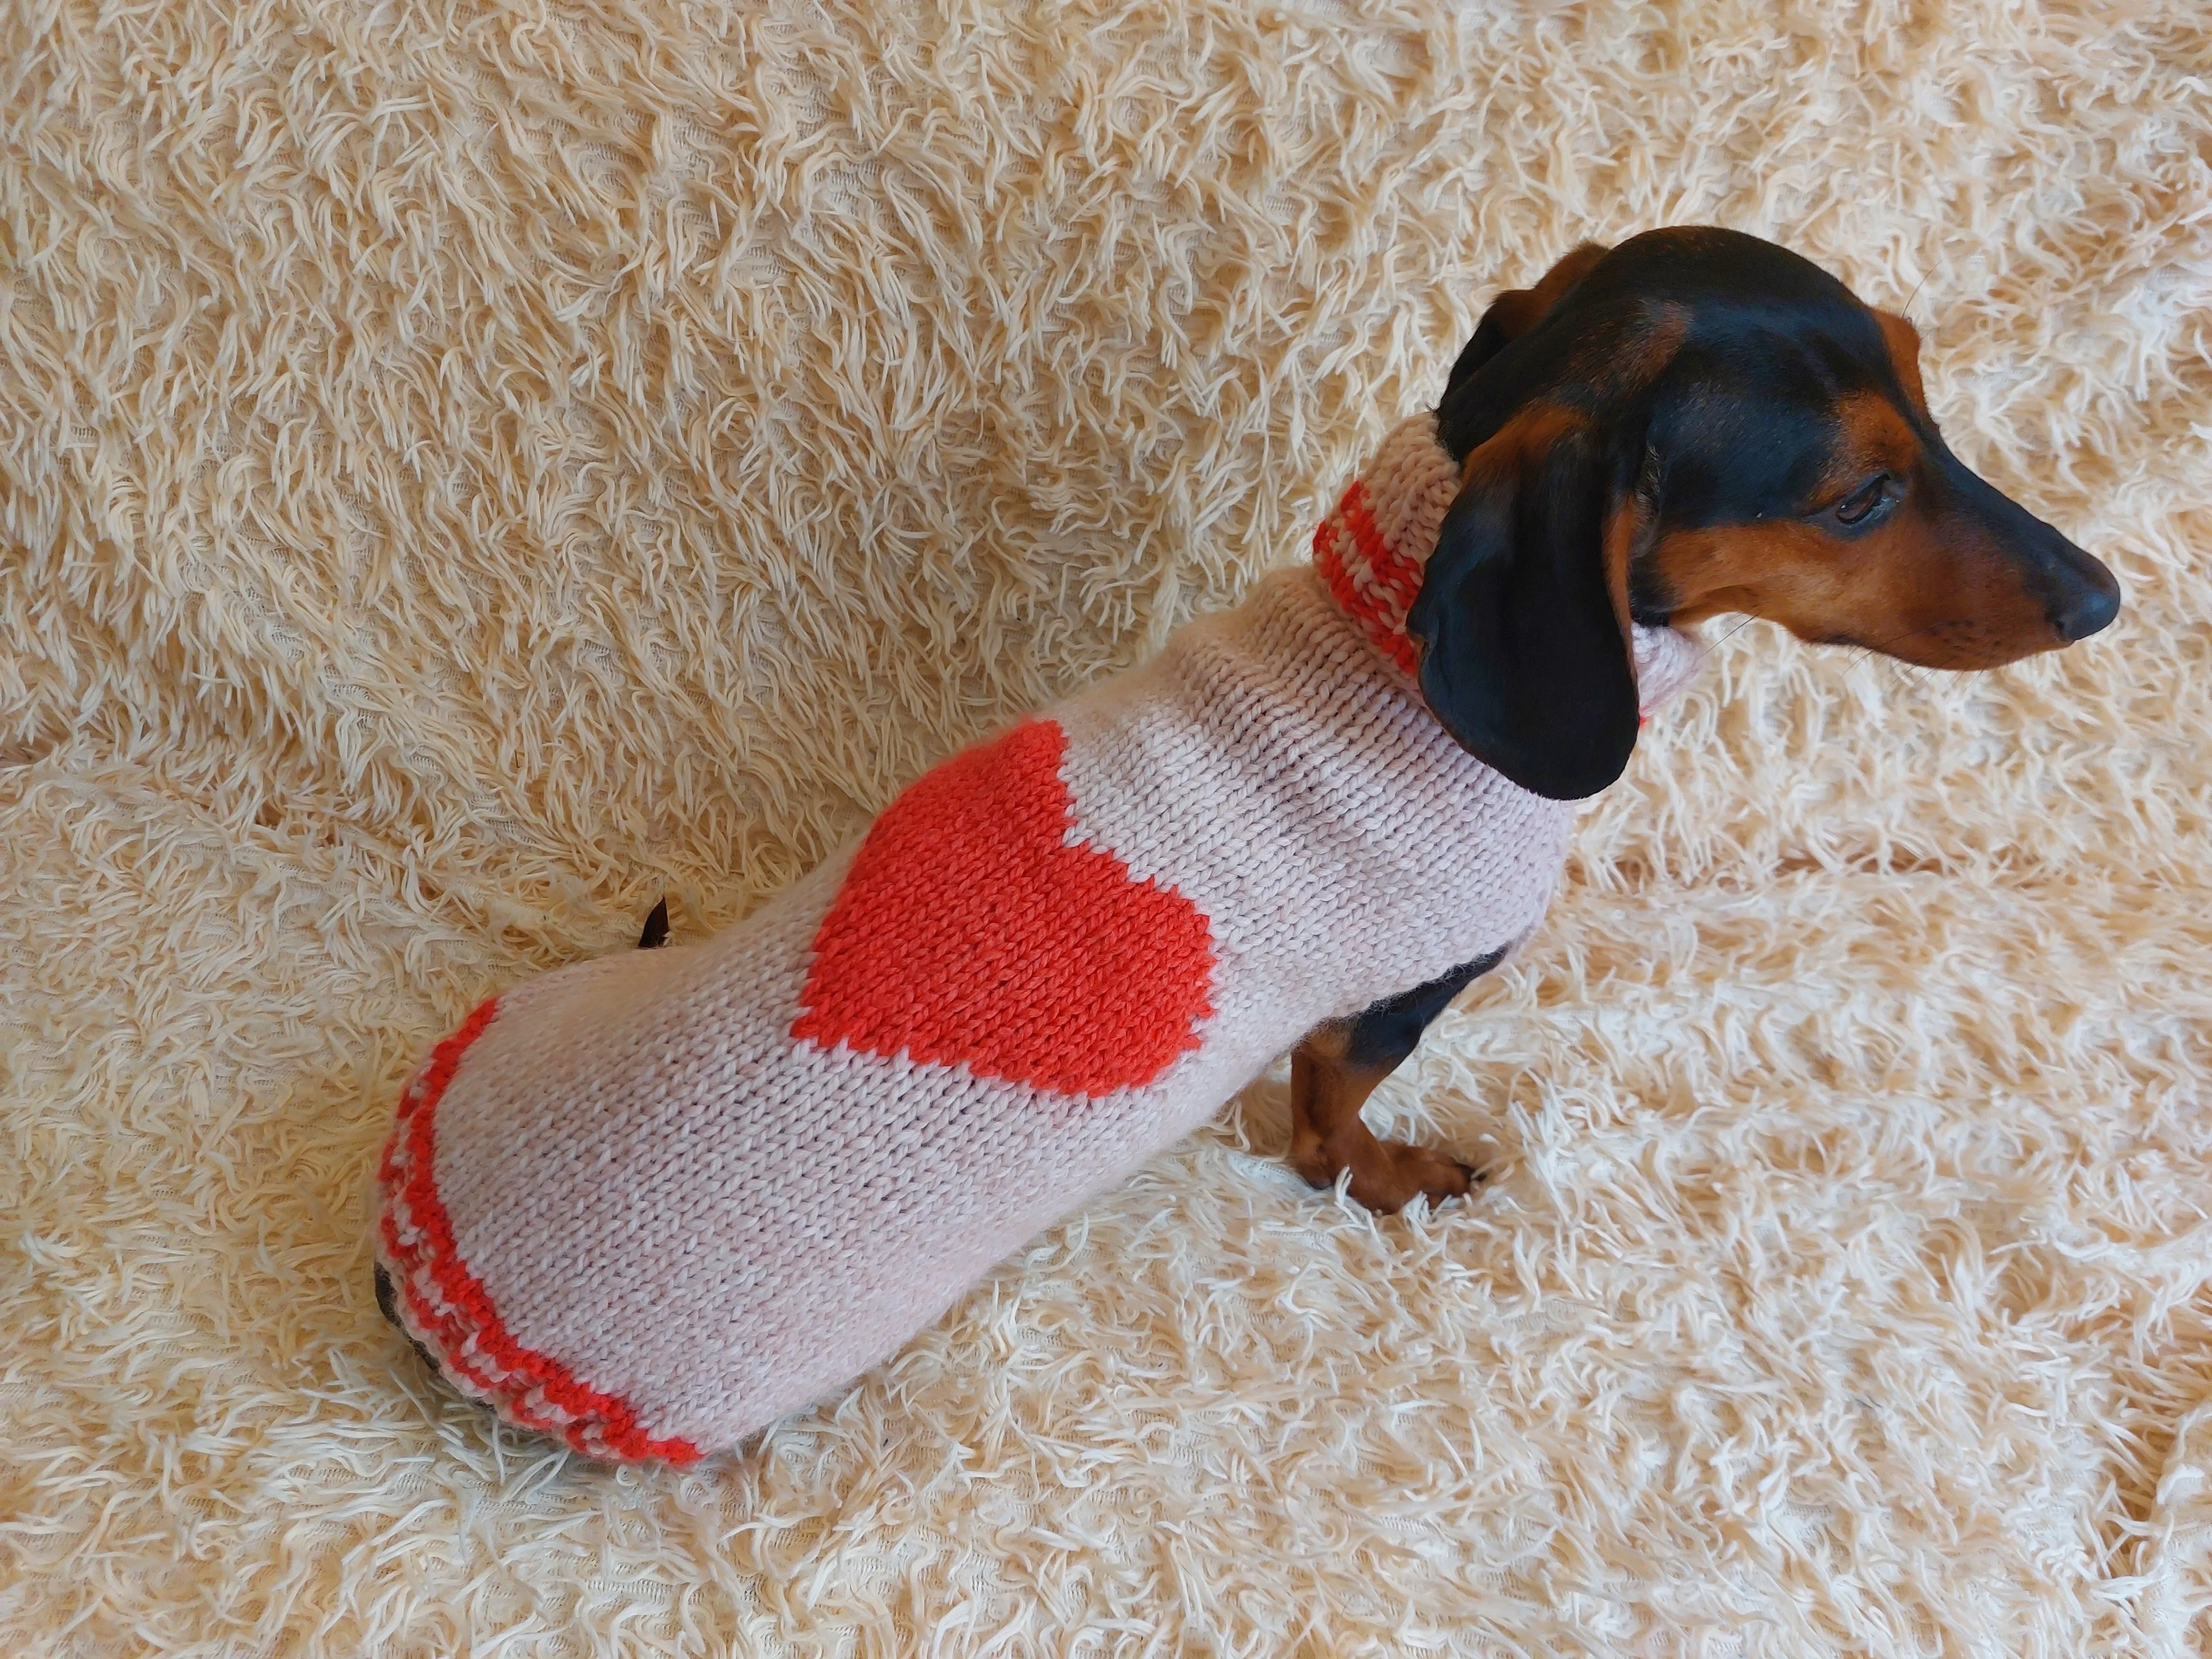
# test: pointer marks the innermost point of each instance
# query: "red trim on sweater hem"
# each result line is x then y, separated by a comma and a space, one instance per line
534, 1391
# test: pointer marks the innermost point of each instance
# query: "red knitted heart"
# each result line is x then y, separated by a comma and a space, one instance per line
969, 933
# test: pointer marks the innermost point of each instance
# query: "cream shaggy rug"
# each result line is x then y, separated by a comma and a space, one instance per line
471, 467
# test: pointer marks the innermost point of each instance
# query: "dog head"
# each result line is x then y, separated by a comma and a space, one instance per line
1693, 422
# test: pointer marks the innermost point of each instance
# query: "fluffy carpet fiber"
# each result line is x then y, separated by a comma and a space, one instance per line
467, 469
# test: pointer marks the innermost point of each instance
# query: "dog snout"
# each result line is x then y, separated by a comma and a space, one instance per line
2075, 592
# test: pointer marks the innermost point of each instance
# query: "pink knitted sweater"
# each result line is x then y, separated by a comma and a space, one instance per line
653, 1202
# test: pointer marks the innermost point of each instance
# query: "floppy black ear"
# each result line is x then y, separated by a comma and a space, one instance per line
1521, 616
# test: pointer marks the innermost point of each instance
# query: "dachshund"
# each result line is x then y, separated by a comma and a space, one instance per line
652, 1204
1695, 422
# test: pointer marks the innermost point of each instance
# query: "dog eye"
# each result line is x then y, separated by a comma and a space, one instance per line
1860, 504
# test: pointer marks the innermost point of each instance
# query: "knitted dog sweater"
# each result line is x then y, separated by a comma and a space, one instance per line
653, 1202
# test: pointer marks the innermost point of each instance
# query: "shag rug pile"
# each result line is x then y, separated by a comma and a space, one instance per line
472, 468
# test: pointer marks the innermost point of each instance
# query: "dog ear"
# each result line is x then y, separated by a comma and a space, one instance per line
1902, 341
1517, 310
1522, 617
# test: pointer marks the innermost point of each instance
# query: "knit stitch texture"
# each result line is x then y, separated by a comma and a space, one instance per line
653, 1202
472, 470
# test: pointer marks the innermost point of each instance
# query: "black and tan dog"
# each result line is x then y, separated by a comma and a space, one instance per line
1694, 423
652, 1204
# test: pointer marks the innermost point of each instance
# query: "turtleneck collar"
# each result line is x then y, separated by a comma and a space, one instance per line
1373, 549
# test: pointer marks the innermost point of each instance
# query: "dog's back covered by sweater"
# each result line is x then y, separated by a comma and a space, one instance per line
653, 1202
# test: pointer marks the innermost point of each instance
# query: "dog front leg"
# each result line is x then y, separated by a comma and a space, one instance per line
1335, 1069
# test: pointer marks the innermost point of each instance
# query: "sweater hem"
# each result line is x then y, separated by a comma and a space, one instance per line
445, 1308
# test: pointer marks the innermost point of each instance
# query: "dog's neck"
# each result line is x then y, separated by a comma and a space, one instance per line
1372, 551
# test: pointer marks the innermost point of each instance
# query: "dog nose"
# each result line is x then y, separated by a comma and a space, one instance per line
2085, 606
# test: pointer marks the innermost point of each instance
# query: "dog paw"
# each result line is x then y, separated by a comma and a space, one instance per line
1396, 1173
